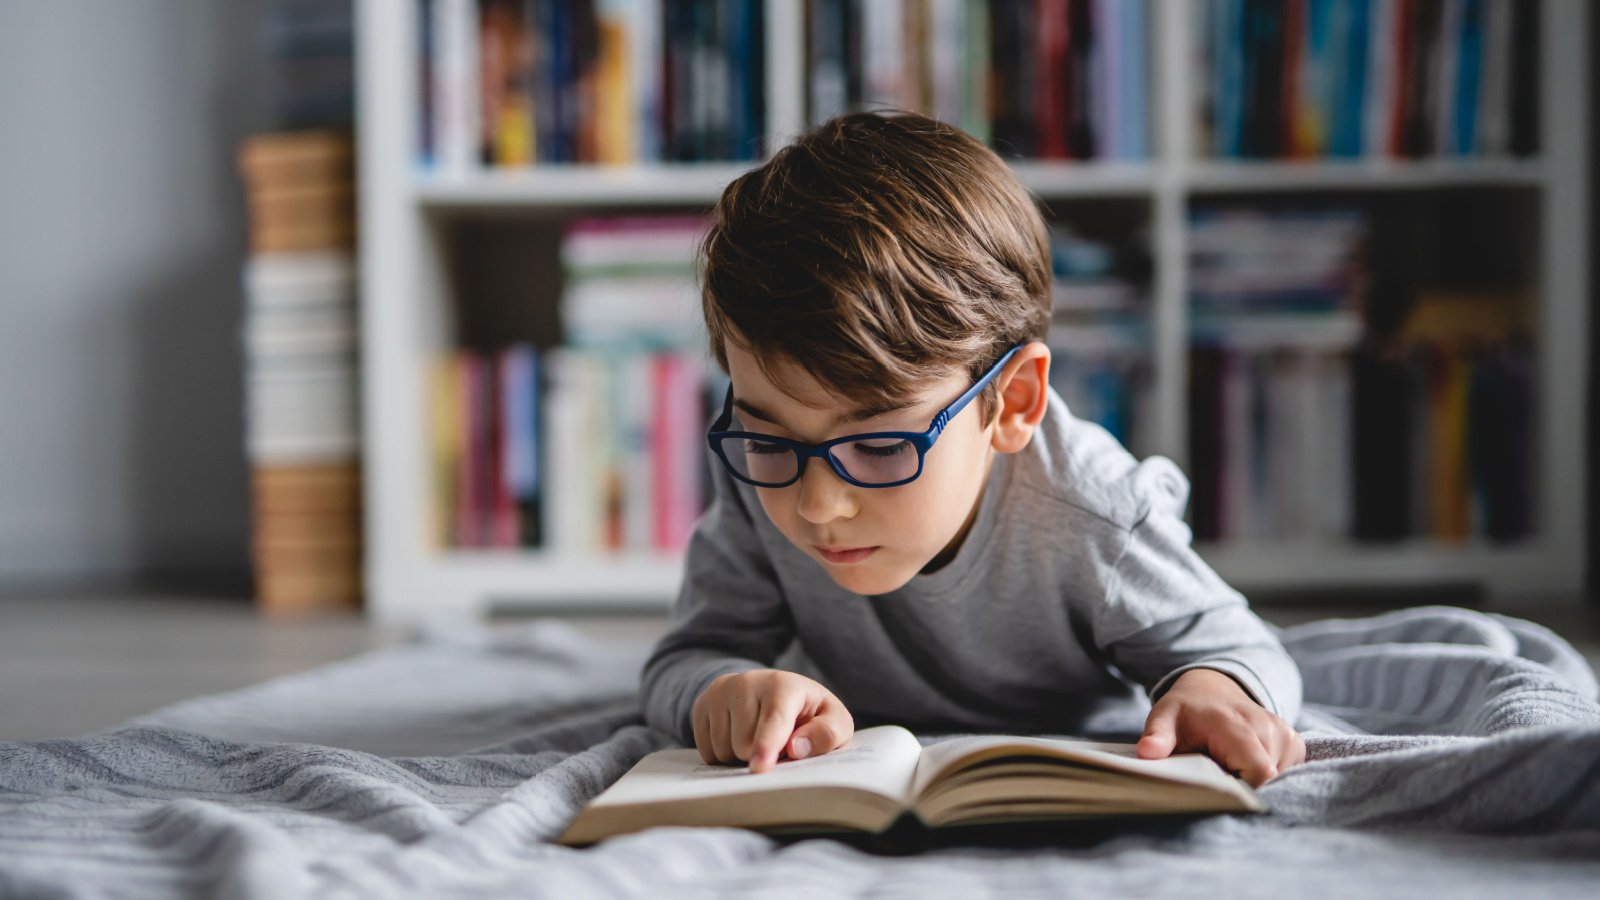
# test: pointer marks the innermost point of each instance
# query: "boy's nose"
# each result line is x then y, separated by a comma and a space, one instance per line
824, 496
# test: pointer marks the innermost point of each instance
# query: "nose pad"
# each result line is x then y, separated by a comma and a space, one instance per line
824, 496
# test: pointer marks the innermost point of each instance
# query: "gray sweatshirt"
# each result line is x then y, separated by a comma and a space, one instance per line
1075, 587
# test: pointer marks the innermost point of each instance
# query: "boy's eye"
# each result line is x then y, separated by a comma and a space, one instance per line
881, 448
763, 447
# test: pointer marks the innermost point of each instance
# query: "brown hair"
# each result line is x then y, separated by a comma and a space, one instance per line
877, 252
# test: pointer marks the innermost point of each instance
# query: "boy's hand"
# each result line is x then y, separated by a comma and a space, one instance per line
1205, 710
754, 716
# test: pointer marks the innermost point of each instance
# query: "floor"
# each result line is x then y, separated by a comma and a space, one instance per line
78, 661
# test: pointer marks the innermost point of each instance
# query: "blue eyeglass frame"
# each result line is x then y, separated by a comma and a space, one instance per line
923, 441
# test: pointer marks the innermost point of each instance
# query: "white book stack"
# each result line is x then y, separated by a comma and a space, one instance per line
300, 339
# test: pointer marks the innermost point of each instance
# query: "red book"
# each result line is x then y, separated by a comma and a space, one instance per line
1052, 73
1294, 35
1404, 47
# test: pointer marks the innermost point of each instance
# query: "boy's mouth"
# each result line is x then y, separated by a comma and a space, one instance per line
844, 556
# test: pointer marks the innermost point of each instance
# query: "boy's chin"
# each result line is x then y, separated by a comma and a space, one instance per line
869, 580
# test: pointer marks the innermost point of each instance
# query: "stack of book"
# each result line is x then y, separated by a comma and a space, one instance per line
1373, 78
619, 409
1100, 332
302, 419
1275, 304
1054, 79
516, 82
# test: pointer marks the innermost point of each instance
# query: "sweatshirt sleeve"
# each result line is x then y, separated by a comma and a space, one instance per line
730, 614
1167, 612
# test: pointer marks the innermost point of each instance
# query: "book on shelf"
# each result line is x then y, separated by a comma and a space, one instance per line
885, 774
1367, 78
1276, 302
513, 83
1059, 79
623, 427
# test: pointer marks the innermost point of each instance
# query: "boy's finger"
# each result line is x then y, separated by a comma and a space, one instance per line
828, 730
721, 735
772, 730
1160, 732
1245, 754
702, 737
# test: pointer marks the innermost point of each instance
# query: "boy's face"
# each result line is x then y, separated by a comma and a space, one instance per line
869, 540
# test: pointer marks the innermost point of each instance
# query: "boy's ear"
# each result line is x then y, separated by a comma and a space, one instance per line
1024, 395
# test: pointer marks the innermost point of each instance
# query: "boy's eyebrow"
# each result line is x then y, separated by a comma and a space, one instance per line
859, 414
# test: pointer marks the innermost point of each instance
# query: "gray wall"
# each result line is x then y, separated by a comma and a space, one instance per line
122, 233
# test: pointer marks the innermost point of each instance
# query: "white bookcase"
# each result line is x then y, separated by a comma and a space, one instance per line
406, 316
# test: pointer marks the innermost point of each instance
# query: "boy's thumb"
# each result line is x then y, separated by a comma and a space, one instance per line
1159, 735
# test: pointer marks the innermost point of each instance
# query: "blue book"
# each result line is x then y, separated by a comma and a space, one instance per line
743, 45
425, 63
1469, 70
1352, 37
1227, 47
1133, 71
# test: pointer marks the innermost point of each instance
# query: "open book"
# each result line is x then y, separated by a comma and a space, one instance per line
884, 773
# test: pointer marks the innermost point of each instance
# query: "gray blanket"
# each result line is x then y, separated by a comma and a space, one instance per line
1449, 751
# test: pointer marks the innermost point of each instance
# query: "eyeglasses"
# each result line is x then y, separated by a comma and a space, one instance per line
877, 459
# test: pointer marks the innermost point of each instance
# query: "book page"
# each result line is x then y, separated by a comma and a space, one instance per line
953, 755
880, 760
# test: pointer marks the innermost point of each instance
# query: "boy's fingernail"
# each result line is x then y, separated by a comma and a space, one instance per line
800, 749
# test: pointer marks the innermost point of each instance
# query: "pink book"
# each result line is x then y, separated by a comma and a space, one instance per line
466, 471
505, 505
662, 467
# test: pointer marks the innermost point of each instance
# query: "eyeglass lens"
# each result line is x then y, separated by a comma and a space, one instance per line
872, 461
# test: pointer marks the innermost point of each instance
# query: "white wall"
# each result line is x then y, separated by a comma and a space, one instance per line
122, 233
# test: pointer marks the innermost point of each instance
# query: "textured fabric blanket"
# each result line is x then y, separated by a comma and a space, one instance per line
1449, 751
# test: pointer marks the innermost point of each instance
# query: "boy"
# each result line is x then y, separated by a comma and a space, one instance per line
1006, 568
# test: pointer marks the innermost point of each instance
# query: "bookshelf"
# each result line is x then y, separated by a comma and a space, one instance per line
406, 215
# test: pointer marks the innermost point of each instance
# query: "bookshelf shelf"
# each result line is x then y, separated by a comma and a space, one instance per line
1362, 175
408, 294
581, 185
1319, 565
695, 183
503, 577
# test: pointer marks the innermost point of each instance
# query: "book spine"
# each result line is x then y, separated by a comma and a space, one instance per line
427, 117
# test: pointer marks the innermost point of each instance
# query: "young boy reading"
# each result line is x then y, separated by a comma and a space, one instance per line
907, 514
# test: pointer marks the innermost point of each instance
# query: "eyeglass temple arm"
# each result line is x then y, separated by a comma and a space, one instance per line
949, 412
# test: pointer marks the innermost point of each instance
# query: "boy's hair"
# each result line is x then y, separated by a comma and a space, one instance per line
877, 252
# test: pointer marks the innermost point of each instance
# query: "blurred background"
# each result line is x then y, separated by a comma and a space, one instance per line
319, 319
